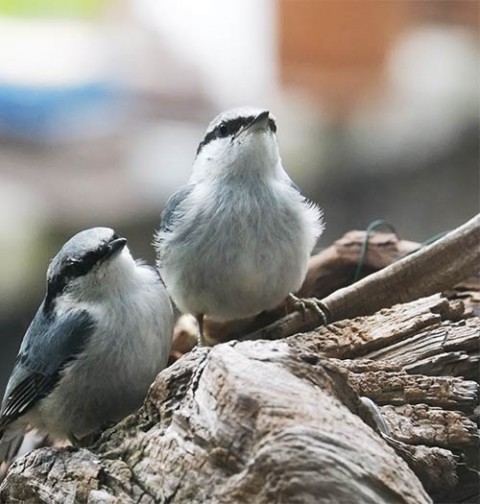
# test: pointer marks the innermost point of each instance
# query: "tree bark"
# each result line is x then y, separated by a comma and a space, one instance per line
375, 409
281, 421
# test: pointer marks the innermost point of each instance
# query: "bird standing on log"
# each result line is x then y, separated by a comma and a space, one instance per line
95, 345
236, 240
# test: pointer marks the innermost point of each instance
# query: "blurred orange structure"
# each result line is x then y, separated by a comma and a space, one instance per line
336, 49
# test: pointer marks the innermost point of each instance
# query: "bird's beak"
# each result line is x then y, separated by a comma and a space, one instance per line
115, 247
260, 123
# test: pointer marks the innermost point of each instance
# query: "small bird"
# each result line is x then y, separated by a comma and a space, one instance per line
97, 342
236, 240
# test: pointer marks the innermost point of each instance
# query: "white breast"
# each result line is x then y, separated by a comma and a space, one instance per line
242, 249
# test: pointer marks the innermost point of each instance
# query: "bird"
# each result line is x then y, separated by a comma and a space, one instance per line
99, 338
237, 238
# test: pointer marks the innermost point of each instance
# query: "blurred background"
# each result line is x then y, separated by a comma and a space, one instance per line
103, 103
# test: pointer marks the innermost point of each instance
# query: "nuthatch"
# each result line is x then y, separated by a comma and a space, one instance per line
97, 342
237, 239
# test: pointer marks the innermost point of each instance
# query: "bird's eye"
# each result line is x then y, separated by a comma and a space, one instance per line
223, 130
71, 266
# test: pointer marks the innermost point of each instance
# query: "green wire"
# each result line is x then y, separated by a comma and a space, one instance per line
382, 223
363, 253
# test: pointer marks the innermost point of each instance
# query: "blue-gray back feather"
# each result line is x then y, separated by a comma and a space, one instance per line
171, 211
50, 343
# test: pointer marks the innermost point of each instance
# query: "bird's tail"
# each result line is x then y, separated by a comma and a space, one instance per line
11, 440
16, 441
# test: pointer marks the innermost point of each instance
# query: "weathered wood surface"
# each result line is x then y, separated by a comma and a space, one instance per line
281, 421
292, 420
433, 268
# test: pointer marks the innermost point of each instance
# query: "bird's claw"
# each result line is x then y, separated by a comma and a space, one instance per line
294, 303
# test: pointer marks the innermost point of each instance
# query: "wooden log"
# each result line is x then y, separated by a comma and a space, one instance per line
378, 408
230, 425
263, 422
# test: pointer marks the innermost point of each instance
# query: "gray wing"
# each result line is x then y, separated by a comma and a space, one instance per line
171, 212
49, 344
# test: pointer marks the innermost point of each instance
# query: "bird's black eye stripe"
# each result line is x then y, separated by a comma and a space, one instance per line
81, 266
225, 129
208, 138
230, 128
73, 268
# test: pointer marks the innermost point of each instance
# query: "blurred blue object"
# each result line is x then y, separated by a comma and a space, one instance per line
56, 113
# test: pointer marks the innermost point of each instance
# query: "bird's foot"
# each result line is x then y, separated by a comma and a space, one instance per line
74, 441
89, 439
294, 303
201, 336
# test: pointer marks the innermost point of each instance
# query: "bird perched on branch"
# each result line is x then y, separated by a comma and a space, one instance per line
97, 342
237, 238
